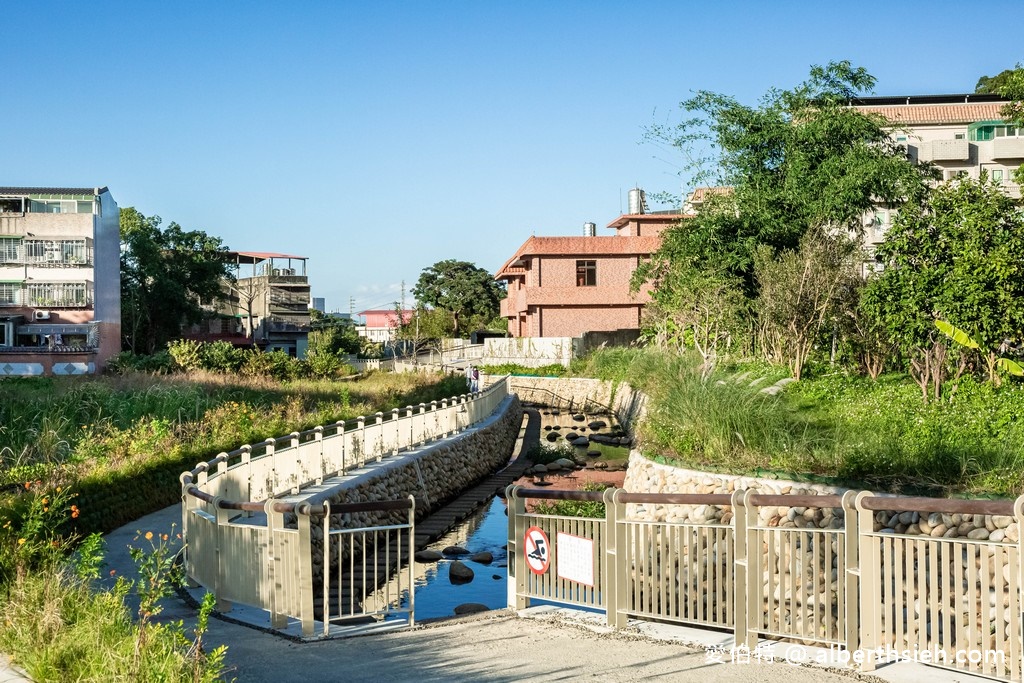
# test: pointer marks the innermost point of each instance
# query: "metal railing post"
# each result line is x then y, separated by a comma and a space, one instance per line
740, 566
849, 590
318, 437
223, 572
869, 600
1018, 515
275, 566
361, 431
293, 439
516, 567
410, 562
619, 590
611, 560
398, 431
304, 515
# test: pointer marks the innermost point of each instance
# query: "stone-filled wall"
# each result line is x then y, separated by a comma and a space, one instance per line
584, 394
645, 476
434, 474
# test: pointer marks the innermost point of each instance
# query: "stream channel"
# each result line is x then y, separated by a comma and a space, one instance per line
486, 530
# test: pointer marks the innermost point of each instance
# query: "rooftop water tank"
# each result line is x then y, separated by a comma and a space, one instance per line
637, 202
589, 229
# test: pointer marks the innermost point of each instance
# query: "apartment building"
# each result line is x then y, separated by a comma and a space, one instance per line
60, 280
566, 286
962, 135
265, 304
380, 325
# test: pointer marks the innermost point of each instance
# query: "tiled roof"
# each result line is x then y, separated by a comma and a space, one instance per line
699, 194
579, 246
657, 217
21, 191
919, 114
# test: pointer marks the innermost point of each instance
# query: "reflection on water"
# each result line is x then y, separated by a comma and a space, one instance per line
436, 595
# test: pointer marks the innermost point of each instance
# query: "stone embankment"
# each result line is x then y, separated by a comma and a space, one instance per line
434, 474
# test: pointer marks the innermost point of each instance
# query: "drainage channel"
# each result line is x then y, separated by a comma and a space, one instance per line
462, 559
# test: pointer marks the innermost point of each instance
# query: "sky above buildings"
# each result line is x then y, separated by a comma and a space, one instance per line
378, 138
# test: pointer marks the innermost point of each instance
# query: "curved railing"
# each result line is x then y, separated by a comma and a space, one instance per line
237, 541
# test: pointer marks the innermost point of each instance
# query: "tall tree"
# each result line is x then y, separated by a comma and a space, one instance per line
460, 288
801, 160
165, 275
1011, 87
960, 260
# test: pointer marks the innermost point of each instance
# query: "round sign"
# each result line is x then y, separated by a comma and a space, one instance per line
538, 550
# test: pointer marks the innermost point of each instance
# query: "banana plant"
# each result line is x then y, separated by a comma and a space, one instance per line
963, 339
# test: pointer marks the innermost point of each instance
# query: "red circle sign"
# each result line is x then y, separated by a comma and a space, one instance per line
537, 550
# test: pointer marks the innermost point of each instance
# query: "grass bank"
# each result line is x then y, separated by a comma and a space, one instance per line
845, 429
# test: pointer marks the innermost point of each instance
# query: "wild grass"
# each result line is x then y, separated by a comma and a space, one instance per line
79, 424
848, 429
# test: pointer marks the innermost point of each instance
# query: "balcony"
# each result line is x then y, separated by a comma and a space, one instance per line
1008, 148
944, 150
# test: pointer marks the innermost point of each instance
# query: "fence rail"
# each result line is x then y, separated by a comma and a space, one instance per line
827, 570
249, 547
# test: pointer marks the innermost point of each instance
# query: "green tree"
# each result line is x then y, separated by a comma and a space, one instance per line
996, 84
165, 274
801, 160
959, 259
332, 334
461, 289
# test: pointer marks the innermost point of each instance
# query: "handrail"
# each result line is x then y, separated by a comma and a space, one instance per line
188, 478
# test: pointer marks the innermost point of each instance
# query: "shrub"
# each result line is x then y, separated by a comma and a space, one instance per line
222, 356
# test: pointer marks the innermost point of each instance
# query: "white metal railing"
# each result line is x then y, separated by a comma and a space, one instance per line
229, 511
830, 573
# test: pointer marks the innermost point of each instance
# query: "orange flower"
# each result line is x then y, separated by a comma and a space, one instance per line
164, 537
113, 571
21, 541
28, 485
149, 535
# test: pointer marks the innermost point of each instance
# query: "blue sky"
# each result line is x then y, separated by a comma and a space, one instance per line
379, 138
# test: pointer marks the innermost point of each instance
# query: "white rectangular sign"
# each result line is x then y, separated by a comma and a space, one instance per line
575, 558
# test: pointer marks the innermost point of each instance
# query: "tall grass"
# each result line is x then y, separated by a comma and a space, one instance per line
850, 429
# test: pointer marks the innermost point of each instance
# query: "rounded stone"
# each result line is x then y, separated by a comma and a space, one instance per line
459, 573
482, 557
455, 550
427, 556
470, 608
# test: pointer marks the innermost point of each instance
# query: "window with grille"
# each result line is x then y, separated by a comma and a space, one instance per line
48, 294
10, 293
10, 250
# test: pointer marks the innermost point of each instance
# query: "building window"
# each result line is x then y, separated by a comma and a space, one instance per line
959, 136
57, 252
10, 293
10, 250
586, 273
46, 294
997, 175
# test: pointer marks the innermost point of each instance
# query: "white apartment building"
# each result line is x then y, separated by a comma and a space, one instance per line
962, 135
60, 280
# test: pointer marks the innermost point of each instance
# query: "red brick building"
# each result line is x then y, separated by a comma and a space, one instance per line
565, 286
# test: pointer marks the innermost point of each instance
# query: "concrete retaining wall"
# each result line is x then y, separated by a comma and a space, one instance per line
434, 474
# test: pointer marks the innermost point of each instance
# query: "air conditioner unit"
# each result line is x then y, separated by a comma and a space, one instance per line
53, 256
42, 315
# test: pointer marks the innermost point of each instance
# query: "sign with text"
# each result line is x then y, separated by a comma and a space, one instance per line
575, 558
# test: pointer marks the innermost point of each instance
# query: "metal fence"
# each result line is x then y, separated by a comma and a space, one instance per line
250, 548
881, 577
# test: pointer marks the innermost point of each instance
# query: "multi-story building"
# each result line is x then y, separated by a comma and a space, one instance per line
380, 325
567, 286
60, 280
961, 135
266, 305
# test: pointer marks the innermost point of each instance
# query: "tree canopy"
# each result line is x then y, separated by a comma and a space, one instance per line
959, 260
460, 288
996, 84
165, 274
803, 159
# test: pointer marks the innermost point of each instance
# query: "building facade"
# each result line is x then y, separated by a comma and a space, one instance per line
380, 325
265, 304
961, 135
567, 286
60, 280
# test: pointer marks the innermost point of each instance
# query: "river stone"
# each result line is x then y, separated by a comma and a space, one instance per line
470, 608
547, 428
598, 424
565, 463
483, 557
579, 417
455, 550
556, 427
593, 454
553, 467
556, 411
428, 556
571, 436
459, 573
552, 436
496, 577
582, 442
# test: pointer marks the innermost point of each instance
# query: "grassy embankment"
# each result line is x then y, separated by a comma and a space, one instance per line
841, 428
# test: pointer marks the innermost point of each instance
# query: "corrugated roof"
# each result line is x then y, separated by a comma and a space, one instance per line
264, 255
579, 246
25, 191
700, 194
658, 217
